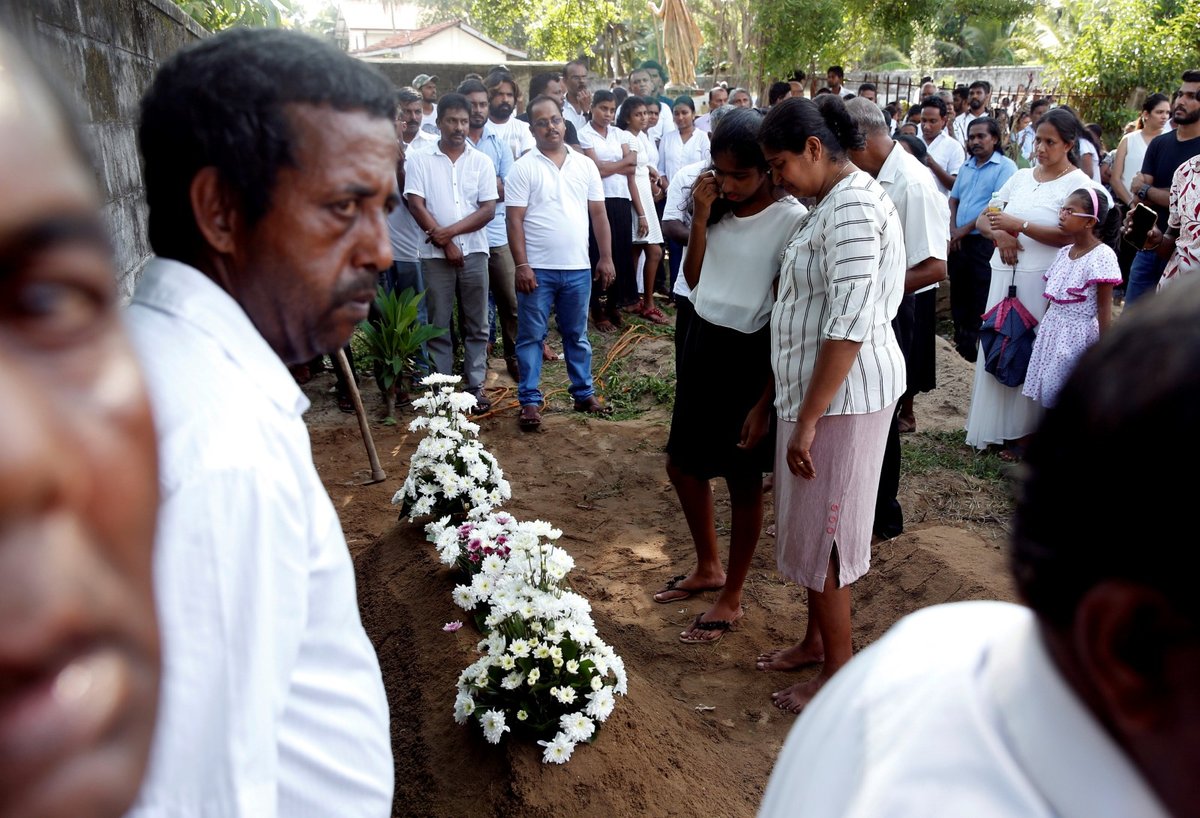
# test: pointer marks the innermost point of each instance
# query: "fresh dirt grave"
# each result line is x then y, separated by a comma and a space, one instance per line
697, 733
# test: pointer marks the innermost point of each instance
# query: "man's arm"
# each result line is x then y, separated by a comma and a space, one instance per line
930, 271
514, 220
939, 172
676, 231
605, 271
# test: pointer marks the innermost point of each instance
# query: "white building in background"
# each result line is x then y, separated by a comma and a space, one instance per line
380, 29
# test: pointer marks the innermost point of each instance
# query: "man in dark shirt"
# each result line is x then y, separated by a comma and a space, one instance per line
1153, 185
552, 85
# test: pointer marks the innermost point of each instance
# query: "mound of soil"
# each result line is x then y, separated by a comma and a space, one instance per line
697, 734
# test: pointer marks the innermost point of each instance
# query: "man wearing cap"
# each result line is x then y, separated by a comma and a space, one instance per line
426, 85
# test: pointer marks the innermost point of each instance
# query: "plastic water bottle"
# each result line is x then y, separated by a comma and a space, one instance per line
996, 204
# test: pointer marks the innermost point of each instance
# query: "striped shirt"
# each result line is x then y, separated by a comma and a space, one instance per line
842, 278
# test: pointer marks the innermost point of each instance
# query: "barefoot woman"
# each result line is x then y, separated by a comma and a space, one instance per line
838, 374
722, 424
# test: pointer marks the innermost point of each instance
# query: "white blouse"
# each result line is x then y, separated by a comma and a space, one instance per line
674, 153
608, 149
842, 278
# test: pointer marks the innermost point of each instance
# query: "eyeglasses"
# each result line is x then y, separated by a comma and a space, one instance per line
1066, 211
546, 123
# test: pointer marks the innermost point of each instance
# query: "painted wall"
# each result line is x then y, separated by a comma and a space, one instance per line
106, 52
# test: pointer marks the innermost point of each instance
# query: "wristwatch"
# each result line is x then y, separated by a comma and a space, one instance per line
1143, 192
1024, 225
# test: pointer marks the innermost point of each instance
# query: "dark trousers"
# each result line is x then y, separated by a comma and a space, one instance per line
623, 290
889, 517
970, 270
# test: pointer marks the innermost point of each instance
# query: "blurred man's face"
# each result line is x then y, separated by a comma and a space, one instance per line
867, 93
306, 273
555, 90
410, 120
453, 125
640, 83
833, 80
478, 100
741, 99
717, 98
977, 100
79, 658
576, 79
932, 123
429, 92
503, 101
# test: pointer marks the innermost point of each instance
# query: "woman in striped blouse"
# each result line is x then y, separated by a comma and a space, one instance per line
838, 373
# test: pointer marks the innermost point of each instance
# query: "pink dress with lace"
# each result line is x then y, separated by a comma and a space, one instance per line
1070, 324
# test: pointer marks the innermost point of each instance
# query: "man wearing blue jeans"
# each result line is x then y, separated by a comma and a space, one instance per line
1153, 185
549, 194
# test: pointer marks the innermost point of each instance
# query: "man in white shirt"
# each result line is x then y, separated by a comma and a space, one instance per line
502, 102
979, 97
835, 76
267, 255
925, 218
717, 97
79, 650
1027, 136
452, 195
426, 86
945, 155
409, 114
1086, 704
552, 191
575, 78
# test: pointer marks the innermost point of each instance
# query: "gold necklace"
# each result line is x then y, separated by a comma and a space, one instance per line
1039, 182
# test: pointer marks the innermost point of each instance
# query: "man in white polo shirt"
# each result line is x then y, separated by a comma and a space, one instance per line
945, 155
550, 193
452, 195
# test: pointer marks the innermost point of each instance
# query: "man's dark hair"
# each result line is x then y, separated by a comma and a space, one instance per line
452, 102
471, 87
405, 96
1191, 75
867, 86
836, 69
934, 101
540, 100
497, 78
1115, 416
580, 62
222, 103
540, 82
1037, 104
926, 79
797, 76
778, 91
959, 92
992, 125
984, 84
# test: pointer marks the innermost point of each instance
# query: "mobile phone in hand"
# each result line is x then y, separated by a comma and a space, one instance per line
1143, 219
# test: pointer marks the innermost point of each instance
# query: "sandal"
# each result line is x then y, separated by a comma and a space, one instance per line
636, 308
530, 418
592, 406
671, 587
655, 315
721, 626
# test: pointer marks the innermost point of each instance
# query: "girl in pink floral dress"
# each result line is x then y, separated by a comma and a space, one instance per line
1079, 284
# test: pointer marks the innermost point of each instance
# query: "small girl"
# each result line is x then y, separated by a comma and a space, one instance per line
647, 233
1079, 285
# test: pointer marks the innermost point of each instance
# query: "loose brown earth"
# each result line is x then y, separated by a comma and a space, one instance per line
697, 734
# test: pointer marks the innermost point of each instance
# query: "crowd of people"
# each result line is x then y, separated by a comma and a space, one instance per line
230, 675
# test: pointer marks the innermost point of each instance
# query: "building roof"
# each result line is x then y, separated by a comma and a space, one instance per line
409, 37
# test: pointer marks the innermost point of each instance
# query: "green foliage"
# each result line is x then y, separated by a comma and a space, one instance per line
216, 15
547, 29
392, 344
1122, 48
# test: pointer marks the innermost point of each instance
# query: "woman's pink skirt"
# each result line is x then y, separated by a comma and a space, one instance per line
838, 505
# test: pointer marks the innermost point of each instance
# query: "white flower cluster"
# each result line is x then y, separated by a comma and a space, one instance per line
450, 472
543, 664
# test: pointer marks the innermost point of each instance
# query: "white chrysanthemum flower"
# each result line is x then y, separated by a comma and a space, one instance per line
464, 706
572, 666
507, 662
533, 676
541, 652
398, 497
564, 694
494, 726
600, 704
492, 564
437, 379
519, 648
495, 645
597, 682
522, 715
463, 597
462, 401
618, 668
512, 681
557, 751
577, 726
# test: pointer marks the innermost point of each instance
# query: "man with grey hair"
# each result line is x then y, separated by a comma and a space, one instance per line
717, 96
925, 217
740, 98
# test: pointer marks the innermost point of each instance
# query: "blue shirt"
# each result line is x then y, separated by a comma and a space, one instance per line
502, 160
974, 186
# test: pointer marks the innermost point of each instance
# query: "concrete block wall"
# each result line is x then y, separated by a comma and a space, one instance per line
106, 52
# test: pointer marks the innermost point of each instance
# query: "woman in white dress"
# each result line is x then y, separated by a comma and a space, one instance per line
1132, 150
647, 234
1027, 239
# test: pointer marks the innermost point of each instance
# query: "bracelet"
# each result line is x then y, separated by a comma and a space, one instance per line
641, 218
523, 264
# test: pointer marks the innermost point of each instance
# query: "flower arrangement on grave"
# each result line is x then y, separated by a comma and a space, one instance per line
451, 474
544, 672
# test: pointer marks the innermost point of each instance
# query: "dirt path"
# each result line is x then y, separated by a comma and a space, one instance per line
697, 734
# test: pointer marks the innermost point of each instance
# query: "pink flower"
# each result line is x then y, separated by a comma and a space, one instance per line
451, 627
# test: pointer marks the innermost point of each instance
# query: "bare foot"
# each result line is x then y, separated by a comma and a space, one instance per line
695, 634
798, 656
795, 698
